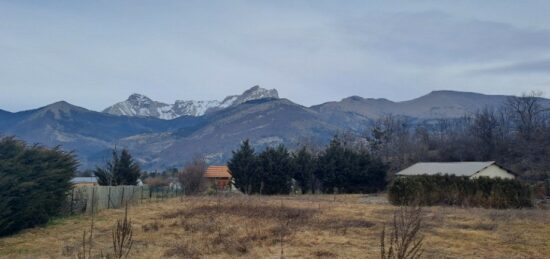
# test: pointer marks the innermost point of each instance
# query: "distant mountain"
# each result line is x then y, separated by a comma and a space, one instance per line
266, 122
90, 134
142, 106
214, 130
437, 104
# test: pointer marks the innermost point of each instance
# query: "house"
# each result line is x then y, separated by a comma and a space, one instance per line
84, 181
218, 176
470, 169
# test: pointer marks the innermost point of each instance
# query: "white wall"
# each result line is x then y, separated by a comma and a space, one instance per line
494, 171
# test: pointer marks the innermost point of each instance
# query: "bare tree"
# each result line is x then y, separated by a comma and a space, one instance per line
527, 113
483, 129
191, 177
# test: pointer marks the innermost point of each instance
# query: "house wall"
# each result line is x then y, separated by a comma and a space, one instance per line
494, 171
220, 182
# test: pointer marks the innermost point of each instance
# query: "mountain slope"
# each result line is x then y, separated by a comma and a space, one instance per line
142, 106
89, 133
265, 122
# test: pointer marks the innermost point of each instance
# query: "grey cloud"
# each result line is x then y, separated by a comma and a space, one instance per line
538, 66
435, 38
96, 53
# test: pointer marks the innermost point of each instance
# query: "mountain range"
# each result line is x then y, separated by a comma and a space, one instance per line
140, 105
168, 135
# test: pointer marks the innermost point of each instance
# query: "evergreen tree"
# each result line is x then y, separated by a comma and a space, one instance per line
34, 183
120, 170
304, 164
128, 169
276, 170
349, 170
330, 166
244, 168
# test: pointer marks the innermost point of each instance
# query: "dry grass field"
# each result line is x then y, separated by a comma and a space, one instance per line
342, 226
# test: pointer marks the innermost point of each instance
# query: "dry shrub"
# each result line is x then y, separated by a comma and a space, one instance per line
245, 210
478, 226
344, 225
405, 241
324, 254
184, 250
259, 222
155, 226
123, 236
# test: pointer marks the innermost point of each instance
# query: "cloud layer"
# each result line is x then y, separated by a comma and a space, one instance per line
94, 54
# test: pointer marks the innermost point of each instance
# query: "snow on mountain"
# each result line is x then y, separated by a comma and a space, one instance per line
142, 106
193, 108
253, 93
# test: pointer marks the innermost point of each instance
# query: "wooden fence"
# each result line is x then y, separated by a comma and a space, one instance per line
95, 198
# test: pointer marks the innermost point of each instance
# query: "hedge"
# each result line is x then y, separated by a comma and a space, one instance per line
34, 182
460, 191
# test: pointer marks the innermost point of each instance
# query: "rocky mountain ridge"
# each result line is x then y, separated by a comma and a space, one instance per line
142, 106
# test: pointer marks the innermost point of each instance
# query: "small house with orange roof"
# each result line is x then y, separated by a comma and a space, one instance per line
219, 176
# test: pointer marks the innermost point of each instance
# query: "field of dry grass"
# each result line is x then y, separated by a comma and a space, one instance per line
342, 226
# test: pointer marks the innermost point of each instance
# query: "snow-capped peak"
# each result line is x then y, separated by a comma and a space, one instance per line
138, 98
141, 105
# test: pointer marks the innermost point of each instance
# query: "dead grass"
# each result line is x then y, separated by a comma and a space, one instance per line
327, 226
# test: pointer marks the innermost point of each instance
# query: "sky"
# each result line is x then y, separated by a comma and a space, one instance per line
96, 53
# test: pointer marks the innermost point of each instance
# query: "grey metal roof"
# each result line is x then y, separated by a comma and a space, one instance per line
90, 179
450, 168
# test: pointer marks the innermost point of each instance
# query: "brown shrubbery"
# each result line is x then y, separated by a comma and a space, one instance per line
191, 177
403, 240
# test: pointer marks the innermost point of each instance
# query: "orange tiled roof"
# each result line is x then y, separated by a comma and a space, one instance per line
217, 171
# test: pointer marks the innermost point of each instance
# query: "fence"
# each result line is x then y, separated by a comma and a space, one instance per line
95, 198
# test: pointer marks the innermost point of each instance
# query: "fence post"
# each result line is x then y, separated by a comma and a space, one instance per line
93, 198
141, 196
133, 200
72, 201
109, 199
547, 187
122, 197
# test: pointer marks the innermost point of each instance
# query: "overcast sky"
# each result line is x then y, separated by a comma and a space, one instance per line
96, 53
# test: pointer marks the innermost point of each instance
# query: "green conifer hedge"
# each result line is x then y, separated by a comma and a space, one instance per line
460, 191
34, 182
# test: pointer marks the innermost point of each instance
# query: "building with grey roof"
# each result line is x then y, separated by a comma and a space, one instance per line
469, 169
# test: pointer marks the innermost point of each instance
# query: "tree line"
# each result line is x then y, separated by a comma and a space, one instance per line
336, 169
516, 135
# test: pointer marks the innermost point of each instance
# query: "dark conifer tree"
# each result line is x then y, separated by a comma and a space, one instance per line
304, 164
330, 166
120, 170
276, 175
128, 170
244, 168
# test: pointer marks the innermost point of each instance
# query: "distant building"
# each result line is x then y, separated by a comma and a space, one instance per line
470, 169
218, 176
84, 181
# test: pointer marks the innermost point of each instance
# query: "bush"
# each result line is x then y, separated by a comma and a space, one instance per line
460, 191
34, 182
191, 177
